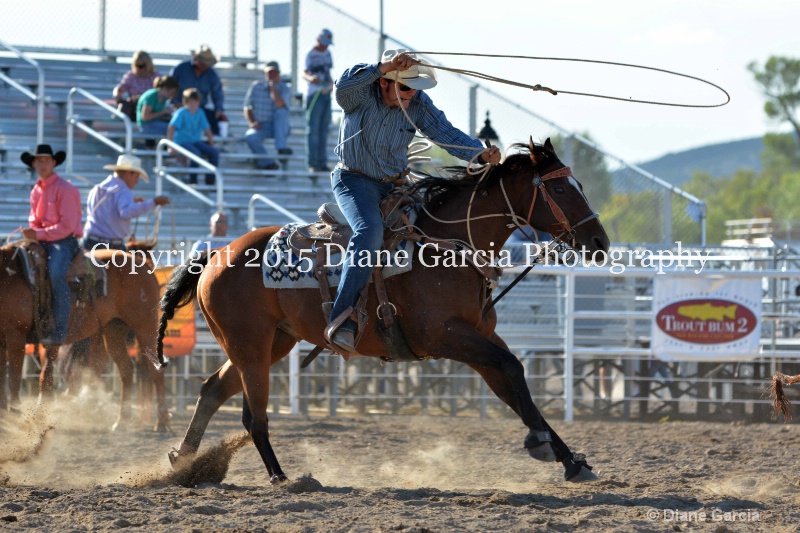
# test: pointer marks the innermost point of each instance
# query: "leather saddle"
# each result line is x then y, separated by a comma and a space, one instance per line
332, 226
86, 280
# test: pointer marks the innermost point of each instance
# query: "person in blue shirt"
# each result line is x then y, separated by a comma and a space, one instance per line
266, 108
318, 102
217, 238
373, 143
187, 127
200, 74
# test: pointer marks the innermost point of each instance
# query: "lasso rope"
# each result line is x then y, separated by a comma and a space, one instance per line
539, 87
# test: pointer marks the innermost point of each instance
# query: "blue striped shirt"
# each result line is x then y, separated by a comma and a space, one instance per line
374, 138
260, 101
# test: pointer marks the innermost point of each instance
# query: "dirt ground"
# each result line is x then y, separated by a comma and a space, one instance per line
65, 471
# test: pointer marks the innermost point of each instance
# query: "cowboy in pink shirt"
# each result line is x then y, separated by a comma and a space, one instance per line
55, 221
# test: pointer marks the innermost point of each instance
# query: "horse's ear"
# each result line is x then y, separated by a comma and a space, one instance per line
549, 146
533, 150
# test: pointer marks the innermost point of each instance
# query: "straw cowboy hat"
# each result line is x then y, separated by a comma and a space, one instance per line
128, 162
43, 150
205, 55
419, 77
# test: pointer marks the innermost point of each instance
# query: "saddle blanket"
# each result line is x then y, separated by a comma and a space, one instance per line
282, 268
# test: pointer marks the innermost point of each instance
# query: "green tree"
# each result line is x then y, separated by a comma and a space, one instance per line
780, 82
589, 166
746, 194
780, 155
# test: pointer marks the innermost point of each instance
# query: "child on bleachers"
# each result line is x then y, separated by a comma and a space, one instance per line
154, 109
187, 127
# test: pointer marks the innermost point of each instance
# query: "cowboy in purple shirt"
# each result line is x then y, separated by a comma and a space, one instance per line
111, 206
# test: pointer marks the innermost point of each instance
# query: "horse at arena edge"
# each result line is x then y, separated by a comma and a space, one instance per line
131, 303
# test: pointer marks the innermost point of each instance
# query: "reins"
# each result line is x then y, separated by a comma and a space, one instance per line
539, 87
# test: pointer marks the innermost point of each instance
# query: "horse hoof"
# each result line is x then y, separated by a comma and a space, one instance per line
583, 475
278, 479
178, 461
542, 452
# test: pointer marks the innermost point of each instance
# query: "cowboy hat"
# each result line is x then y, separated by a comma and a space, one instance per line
43, 150
205, 55
128, 162
419, 77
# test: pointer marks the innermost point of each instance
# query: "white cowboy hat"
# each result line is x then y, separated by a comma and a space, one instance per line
419, 77
129, 162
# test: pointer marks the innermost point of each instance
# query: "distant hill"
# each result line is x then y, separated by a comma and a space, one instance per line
716, 159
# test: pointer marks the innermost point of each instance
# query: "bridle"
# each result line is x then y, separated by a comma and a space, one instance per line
538, 183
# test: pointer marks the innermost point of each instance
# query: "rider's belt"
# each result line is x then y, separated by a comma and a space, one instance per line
106, 240
388, 179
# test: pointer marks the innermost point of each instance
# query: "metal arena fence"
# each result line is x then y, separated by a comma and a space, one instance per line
582, 336
636, 206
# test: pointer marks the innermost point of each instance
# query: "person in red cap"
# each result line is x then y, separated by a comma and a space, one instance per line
55, 221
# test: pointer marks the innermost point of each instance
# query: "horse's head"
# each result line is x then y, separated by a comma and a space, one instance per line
553, 200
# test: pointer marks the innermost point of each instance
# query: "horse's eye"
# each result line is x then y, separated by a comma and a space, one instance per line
560, 190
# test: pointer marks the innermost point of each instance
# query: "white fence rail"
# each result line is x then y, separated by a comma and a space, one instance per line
582, 335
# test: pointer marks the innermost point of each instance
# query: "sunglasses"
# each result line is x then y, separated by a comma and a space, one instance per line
141, 66
403, 87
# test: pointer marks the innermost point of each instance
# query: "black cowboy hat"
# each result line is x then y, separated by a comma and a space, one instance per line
43, 149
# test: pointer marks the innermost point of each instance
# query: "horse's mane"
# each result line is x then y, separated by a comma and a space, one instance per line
438, 190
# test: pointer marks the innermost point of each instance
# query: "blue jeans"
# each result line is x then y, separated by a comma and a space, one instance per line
318, 121
202, 148
277, 129
155, 127
359, 199
211, 115
59, 257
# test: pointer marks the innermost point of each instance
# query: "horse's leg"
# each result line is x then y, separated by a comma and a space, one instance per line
5, 368
157, 379
255, 379
15, 352
47, 386
504, 374
147, 347
216, 390
114, 337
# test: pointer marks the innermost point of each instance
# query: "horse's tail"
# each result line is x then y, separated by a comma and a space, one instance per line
780, 403
181, 290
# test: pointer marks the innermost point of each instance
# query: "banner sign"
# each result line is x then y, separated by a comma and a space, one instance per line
700, 318
181, 334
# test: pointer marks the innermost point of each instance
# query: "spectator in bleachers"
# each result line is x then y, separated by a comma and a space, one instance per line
199, 74
134, 83
111, 205
318, 102
187, 127
55, 221
218, 236
266, 108
154, 109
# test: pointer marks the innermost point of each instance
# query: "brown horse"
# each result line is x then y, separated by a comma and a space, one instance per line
780, 403
131, 303
440, 308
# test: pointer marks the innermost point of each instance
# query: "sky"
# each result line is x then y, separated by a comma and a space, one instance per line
714, 40
710, 39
